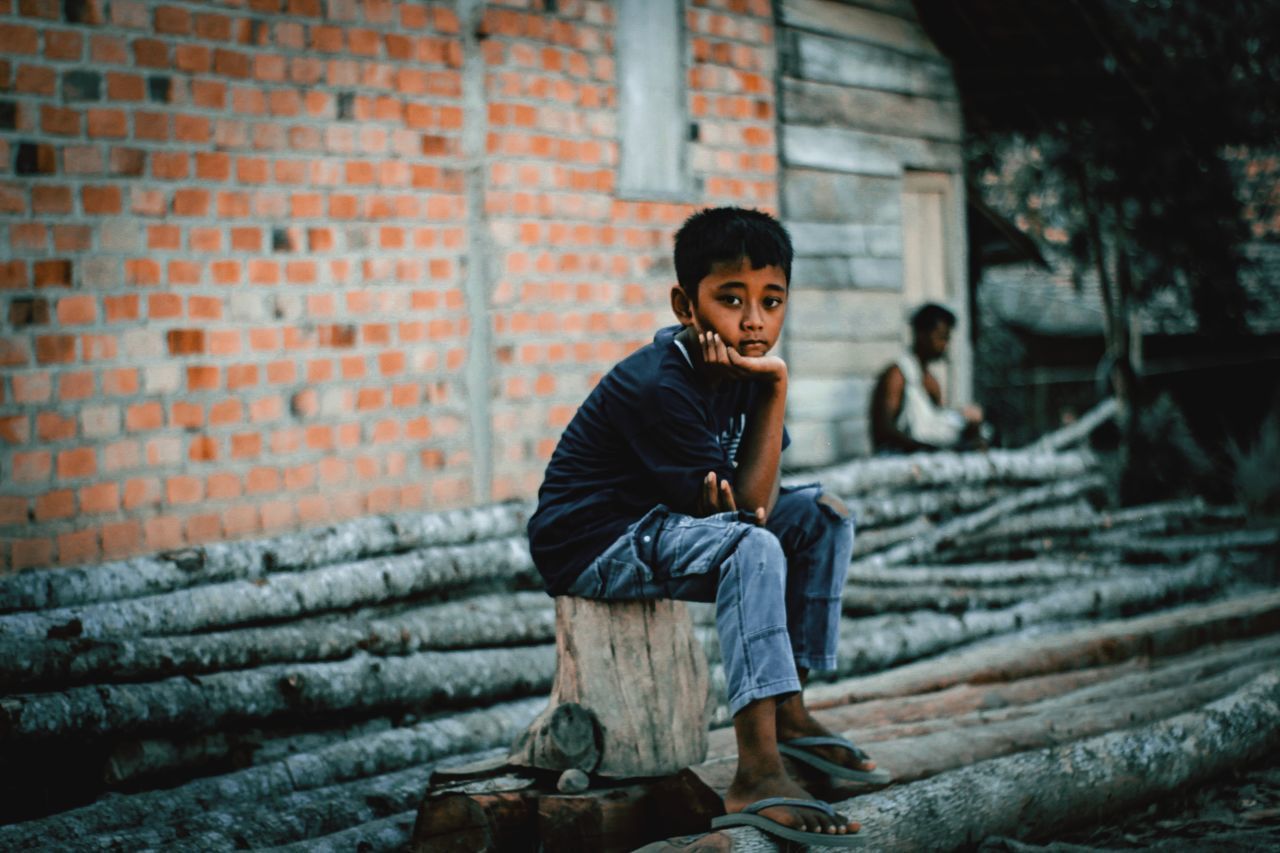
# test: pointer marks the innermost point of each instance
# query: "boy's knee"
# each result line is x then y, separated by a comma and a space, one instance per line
834, 505
761, 542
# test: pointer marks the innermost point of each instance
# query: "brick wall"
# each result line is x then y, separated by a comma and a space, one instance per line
269, 263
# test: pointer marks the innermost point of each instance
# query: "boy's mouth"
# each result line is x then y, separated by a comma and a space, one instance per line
755, 347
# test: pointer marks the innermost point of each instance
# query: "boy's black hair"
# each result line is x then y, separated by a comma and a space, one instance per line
929, 315
727, 234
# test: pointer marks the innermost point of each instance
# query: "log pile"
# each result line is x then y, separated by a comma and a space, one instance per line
302, 690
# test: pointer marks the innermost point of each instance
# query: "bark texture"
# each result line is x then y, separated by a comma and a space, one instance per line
354, 759
1037, 793
284, 595
638, 669
221, 561
487, 620
950, 469
441, 679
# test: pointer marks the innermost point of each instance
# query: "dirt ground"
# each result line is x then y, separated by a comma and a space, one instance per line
1239, 813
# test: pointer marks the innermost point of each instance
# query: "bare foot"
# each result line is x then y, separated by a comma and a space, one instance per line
794, 720
746, 790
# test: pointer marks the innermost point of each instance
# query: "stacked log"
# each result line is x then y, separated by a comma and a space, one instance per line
300, 690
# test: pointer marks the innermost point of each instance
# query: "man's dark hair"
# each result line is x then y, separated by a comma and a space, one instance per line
727, 234
929, 315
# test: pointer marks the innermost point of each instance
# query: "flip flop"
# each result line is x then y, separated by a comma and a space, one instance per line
796, 748
750, 817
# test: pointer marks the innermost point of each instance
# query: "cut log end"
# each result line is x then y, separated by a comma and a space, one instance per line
564, 737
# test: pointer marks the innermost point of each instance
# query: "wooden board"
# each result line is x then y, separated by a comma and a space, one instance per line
853, 22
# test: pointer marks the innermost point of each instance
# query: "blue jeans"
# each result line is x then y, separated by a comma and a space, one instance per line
776, 588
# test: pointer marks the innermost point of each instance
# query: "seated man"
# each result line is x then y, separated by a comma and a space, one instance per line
907, 414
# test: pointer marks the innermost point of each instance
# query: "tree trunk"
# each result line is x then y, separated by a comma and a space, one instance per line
385, 752
350, 540
860, 600
1044, 791
283, 596
870, 541
895, 506
949, 469
488, 620
638, 668
389, 835
447, 679
921, 546
294, 817
1079, 430
976, 574
1158, 635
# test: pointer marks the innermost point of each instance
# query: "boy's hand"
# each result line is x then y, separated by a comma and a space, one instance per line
728, 362
718, 497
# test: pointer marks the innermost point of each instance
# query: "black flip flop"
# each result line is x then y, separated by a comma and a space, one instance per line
797, 749
750, 817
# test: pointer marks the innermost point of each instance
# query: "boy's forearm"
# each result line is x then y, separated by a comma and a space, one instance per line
756, 483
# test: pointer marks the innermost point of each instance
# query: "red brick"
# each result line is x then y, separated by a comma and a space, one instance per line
77, 310
59, 120
15, 429
225, 412
19, 39
222, 487
13, 275
81, 546
203, 378
120, 382
121, 455
75, 386
55, 349
52, 273
122, 539
150, 53
143, 271
99, 498
28, 553
72, 238
170, 166
31, 466
246, 445
126, 87
144, 416
162, 532
108, 123
186, 341
172, 20
101, 200
80, 462
191, 202
186, 415
203, 448
13, 509
53, 505
205, 527
183, 490
141, 492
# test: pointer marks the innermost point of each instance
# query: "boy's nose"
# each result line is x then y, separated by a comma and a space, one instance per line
751, 318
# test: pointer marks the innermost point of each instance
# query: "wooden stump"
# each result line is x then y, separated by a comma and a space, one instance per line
630, 692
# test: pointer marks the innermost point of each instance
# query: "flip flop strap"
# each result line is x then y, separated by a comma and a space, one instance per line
770, 802
824, 740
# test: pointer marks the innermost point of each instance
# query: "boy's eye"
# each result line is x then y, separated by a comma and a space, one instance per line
772, 301
730, 299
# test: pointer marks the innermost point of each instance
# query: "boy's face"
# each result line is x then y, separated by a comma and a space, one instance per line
744, 306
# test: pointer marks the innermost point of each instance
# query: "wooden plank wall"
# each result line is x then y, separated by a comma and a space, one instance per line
865, 98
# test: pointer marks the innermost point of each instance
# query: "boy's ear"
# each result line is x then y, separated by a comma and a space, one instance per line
681, 306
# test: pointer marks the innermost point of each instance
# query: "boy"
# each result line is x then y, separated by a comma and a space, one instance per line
666, 485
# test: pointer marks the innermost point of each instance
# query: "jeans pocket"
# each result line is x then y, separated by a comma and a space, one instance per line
644, 538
